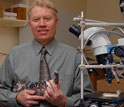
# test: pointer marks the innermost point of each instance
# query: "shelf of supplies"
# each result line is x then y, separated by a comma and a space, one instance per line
8, 6
12, 22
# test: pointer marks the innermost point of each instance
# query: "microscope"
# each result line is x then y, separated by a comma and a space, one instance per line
98, 38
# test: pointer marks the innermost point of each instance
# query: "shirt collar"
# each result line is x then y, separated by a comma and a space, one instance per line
50, 47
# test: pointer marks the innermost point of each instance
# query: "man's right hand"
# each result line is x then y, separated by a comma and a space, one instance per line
28, 98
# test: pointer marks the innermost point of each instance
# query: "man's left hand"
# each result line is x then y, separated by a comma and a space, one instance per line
54, 95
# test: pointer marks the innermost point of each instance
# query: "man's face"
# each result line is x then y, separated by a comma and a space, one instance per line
43, 24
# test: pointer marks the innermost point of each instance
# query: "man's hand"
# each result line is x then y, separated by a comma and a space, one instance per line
28, 98
55, 95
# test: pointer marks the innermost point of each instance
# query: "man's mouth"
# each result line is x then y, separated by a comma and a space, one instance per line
43, 32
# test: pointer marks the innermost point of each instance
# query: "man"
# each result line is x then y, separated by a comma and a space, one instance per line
22, 64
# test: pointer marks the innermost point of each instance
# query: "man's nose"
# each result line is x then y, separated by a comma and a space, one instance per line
42, 22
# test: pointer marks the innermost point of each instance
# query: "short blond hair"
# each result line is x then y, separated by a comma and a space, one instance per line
43, 3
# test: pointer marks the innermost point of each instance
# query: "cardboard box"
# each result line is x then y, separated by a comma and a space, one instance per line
1, 6
8, 10
1, 13
1, 10
102, 85
21, 12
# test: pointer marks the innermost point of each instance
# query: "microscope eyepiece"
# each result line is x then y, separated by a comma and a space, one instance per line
76, 30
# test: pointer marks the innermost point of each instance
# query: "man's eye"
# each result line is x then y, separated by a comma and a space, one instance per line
35, 20
47, 18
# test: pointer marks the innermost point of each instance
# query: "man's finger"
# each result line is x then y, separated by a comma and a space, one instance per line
31, 92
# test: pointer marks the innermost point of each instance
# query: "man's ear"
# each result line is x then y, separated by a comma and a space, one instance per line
57, 22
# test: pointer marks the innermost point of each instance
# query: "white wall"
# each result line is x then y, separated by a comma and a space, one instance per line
105, 10
8, 39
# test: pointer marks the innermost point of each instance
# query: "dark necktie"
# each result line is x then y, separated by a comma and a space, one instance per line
44, 68
44, 74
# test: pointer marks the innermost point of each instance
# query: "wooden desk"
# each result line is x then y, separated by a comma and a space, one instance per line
102, 85
94, 78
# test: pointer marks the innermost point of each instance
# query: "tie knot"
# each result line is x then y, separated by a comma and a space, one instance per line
43, 51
